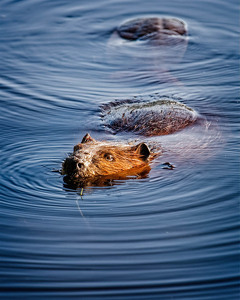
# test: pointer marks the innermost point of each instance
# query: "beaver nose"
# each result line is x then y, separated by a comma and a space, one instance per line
80, 165
69, 166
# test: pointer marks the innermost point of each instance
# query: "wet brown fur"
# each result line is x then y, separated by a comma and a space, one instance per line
93, 158
111, 160
152, 28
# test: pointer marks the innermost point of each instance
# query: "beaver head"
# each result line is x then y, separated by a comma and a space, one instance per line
93, 158
159, 30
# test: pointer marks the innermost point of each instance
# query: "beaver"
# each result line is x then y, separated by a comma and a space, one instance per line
93, 159
157, 117
160, 31
151, 46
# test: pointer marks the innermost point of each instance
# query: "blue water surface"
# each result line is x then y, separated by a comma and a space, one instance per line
172, 235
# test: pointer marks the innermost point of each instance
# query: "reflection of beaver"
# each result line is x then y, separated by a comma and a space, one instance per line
91, 159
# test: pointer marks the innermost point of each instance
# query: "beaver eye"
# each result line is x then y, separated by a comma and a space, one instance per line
108, 157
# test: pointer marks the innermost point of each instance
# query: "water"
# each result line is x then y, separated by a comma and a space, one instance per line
172, 235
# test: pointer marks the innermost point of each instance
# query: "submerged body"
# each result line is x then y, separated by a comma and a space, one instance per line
91, 158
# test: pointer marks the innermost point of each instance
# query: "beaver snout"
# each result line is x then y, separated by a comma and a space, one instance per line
71, 166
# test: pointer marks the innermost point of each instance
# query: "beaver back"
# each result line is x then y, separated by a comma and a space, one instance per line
148, 118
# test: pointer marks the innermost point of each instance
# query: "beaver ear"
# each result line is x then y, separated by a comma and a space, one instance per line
87, 138
143, 150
